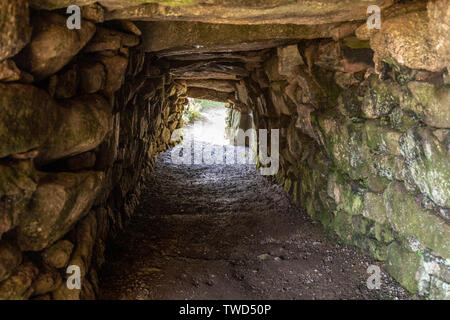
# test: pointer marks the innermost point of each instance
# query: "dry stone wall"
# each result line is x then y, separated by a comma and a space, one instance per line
82, 119
365, 142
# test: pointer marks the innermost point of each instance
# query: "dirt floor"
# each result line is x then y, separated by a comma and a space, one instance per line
226, 232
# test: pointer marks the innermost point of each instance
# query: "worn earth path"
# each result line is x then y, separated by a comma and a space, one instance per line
226, 232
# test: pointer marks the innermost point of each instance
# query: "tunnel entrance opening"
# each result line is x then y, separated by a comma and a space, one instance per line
206, 120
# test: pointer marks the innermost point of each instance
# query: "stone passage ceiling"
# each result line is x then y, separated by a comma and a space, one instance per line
231, 11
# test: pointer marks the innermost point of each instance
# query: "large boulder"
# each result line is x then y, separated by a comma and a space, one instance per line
27, 118
83, 124
15, 30
407, 40
59, 202
53, 45
30, 119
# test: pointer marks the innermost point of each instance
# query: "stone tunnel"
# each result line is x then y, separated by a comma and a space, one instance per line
363, 116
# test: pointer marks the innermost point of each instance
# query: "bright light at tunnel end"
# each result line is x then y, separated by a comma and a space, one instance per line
194, 152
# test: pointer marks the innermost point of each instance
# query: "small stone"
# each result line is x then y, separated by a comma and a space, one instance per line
9, 71
115, 67
93, 12
10, 258
92, 77
47, 281
289, 59
263, 256
58, 254
67, 83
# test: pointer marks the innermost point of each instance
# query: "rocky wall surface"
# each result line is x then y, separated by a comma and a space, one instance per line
81, 121
365, 143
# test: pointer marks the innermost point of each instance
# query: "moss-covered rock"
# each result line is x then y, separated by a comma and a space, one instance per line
409, 219
345, 142
386, 166
380, 98
384, 233
434, 101
349, 102
58, 203
382, 139
53, 45
27, 118
376, 183
403, 264
402, 119
83, 124
428, 164
374, 208
342, 226
347, 198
